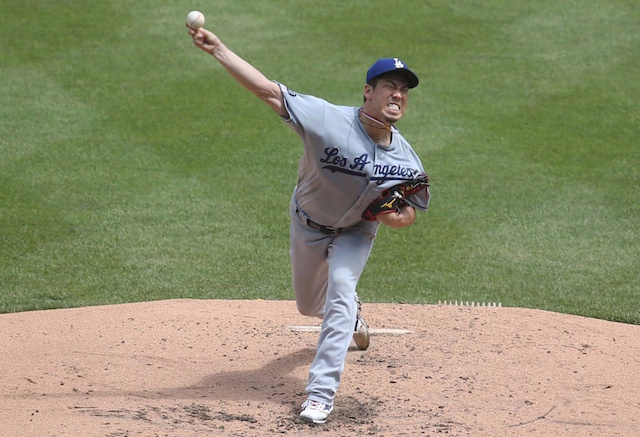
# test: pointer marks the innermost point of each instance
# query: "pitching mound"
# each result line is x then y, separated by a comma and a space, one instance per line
238, 368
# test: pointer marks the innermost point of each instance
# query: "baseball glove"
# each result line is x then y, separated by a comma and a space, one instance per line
392, 199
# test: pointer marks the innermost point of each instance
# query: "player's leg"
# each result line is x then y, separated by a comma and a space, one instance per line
347, 256
309, 267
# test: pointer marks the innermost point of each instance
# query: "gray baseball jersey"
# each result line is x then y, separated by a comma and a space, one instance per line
342, 170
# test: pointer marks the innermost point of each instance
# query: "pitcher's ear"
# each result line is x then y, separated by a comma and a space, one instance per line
368, 89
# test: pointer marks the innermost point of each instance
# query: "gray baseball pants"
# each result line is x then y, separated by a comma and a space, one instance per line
326, 270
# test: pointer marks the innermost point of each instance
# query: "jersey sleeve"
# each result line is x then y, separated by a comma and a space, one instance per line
306, 113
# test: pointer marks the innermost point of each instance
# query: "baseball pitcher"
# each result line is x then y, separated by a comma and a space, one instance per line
356, 172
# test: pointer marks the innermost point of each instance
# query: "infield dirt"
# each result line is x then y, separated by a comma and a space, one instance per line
236, 368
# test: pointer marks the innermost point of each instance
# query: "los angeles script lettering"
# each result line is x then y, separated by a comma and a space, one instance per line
380, 171
332, 157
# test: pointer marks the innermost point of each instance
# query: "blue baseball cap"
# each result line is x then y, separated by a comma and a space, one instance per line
386, 65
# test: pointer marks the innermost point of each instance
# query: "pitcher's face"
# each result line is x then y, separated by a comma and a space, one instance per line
389, 99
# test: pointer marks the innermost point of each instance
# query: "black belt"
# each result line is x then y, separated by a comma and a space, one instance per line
329, 230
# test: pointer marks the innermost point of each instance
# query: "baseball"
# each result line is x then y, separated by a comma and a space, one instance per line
195, 20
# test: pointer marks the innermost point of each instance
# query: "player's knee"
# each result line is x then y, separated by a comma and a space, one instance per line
304, 309
307, 309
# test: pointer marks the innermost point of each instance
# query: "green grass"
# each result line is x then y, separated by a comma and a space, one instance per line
133, 168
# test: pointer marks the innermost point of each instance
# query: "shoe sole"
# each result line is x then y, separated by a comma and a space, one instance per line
362, 343
362, 340
310, 420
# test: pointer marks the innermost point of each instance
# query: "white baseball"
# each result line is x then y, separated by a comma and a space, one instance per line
195, 20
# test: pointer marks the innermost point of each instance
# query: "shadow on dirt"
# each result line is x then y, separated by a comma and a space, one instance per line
270, 382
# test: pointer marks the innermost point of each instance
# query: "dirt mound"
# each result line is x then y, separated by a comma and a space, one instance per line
239, 368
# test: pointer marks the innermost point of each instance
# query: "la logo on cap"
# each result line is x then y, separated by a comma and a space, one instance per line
387, 65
